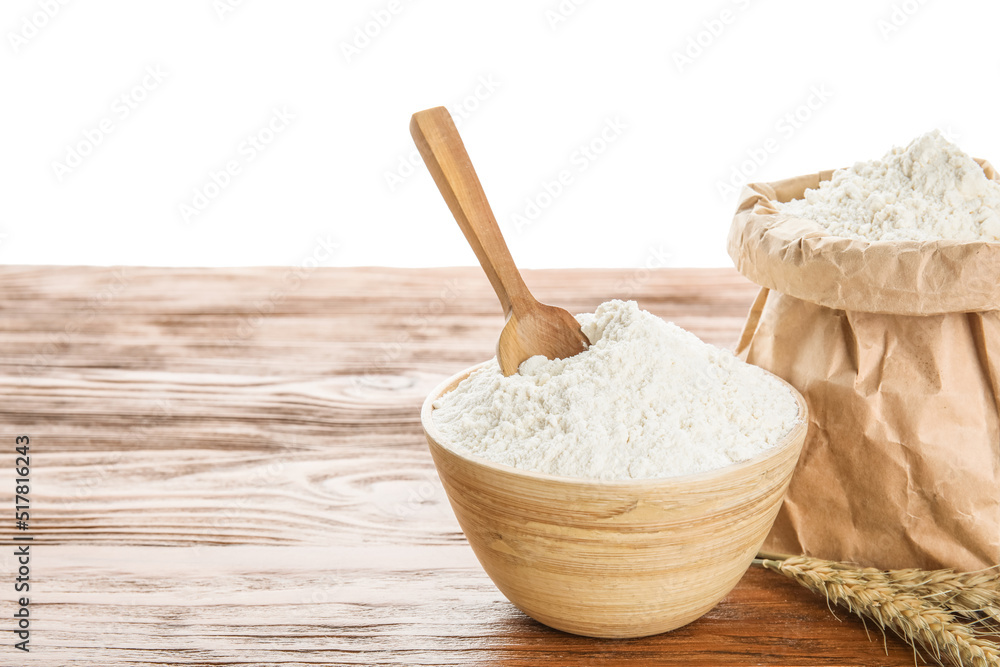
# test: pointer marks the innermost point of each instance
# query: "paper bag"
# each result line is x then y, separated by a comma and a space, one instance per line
896, 348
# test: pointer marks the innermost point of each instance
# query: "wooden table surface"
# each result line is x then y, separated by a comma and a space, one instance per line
227, 468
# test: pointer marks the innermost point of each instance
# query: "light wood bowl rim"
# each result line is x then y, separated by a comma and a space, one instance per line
794, 439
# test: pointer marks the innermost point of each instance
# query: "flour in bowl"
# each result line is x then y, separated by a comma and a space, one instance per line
647, 399
927, 191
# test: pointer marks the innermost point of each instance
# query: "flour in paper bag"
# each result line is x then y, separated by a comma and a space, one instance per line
927, 191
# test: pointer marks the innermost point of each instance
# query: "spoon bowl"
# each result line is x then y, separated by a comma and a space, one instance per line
541, 329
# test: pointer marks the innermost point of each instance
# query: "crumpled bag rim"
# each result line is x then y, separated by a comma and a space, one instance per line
798, 257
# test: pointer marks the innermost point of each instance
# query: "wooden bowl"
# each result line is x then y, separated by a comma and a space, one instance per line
614, 559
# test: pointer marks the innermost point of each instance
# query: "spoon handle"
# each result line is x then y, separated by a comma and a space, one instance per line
439, 143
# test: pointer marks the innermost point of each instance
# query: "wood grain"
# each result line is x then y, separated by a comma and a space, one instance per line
228, 469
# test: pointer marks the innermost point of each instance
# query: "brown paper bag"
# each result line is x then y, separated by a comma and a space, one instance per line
896, 348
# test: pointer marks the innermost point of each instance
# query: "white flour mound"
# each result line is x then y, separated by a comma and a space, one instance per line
647, 399
928, 191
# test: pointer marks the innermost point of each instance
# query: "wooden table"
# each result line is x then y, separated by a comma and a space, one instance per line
227, 468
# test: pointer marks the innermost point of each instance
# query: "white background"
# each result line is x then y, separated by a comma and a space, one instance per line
888, 71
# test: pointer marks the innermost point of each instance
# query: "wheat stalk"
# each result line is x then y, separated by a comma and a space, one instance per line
948, 616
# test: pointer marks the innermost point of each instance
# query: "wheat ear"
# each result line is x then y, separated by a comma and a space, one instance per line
927, 610
973, 595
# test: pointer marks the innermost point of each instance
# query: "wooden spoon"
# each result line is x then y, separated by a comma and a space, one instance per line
532, 327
